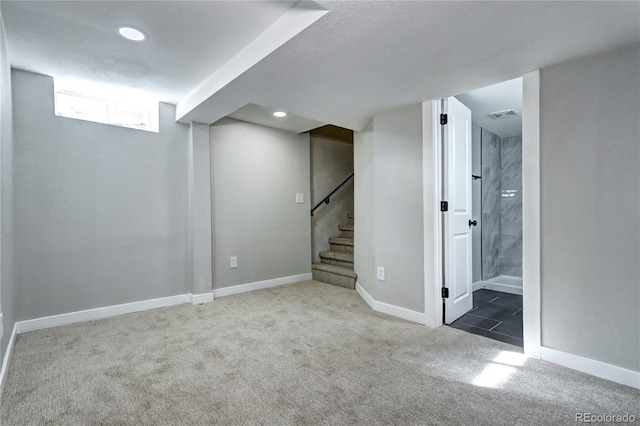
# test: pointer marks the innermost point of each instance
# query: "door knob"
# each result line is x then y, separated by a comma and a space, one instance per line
472, 222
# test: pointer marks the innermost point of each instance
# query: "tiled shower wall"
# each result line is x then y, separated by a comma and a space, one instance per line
491, 171
511, 206
501, 205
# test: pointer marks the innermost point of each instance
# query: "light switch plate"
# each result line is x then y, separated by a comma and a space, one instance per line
233, 263
300, 198
380, 273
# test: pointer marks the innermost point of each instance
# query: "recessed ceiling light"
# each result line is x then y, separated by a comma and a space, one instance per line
131, 33
279, 114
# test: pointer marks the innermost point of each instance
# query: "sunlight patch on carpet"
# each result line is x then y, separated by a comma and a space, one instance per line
498, 372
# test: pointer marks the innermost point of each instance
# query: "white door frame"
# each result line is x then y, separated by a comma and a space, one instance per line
432, 160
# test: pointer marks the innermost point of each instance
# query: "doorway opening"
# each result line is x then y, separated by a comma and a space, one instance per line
482, 175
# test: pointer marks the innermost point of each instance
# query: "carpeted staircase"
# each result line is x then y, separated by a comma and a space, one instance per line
336, 266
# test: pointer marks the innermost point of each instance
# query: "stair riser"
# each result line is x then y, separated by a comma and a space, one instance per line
336, 262
350, 220
346, 234
334, 279
341, 249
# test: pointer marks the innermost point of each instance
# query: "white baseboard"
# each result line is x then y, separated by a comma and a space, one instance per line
99, 313
593, 367
7, 356
259, 285
197, 299
127, 308
366, 296
531, 350
505, 288
393, 310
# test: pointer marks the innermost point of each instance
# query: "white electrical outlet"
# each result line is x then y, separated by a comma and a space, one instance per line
300, 198
234, 262
380, 273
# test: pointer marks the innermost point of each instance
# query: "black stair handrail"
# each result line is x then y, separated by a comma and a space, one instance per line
327, 199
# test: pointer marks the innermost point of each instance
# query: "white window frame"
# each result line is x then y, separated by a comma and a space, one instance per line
95, 108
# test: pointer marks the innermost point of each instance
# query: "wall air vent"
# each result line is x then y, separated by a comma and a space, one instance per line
503, 114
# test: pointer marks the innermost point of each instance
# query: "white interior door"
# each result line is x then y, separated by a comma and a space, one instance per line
457, 226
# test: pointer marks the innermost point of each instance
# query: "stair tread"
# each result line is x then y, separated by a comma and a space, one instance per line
339, 270
341, 241
346, 227
348, 257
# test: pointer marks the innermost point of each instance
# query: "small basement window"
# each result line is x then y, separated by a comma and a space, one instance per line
73, 103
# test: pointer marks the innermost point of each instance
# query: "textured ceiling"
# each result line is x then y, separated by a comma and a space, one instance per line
342, 67
264, 115
187, 40
497, 97
362, 58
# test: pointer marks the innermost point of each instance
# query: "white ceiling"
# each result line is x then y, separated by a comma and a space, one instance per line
342, 67
497, 97
187, 40
259, 114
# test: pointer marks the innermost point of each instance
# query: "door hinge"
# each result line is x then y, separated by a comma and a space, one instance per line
445, 293
444, 206
443, 119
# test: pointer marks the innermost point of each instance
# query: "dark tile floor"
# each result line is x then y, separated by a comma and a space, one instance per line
496, 315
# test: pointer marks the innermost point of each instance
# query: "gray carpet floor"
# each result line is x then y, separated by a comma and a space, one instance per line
306, 353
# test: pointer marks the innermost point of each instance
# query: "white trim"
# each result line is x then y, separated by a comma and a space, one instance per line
431, 177
196, 299
593, 367
505, 288
7, 356
531, 302
99, 313
127, 308
399, 312
393, 310
366, 296
438, 236
259, 285
530, 213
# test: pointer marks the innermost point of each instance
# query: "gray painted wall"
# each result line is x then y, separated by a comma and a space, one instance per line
7, 276
200, 232
100, 211
398, 206
331, 163
389, 161
590, 202
257, 172
364, 242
